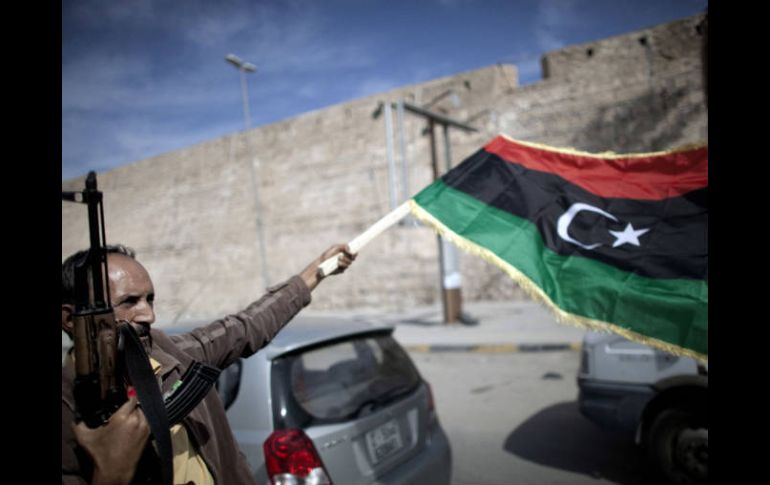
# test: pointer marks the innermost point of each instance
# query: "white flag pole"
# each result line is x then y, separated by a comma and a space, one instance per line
365, 237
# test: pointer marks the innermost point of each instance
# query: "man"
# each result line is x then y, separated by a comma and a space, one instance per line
205, 451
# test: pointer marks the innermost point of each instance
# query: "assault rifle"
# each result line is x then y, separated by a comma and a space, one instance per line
108, 354
99, 388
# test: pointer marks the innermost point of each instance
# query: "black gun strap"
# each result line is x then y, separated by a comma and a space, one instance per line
148, 392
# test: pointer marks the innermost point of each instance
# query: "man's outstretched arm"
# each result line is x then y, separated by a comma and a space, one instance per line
242, 334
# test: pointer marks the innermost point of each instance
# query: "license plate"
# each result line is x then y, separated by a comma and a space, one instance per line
384, 441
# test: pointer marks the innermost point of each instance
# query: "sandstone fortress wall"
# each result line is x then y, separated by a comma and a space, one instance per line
322, 177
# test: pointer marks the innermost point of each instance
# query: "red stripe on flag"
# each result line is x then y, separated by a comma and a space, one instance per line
646, 177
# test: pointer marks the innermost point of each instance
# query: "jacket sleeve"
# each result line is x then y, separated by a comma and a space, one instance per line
240, 335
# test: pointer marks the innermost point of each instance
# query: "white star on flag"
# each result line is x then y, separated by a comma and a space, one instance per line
627, 236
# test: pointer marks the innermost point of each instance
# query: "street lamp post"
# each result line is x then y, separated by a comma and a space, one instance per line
245, 67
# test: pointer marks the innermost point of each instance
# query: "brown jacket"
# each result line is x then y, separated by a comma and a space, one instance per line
220, 344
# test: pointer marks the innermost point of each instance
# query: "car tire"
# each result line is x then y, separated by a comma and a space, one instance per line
678, 446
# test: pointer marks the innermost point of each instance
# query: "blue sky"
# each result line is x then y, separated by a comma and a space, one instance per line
144, 77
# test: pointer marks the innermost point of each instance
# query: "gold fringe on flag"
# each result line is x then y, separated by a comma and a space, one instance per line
536, 293
607, 154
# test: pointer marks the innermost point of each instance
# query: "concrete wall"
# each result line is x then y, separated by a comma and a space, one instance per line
322, 177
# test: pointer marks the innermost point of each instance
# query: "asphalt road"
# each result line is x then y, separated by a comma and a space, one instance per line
512, 418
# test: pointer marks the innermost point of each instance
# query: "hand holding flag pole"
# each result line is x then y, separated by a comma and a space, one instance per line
328, 266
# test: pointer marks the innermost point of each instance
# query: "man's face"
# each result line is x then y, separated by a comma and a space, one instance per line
132, 294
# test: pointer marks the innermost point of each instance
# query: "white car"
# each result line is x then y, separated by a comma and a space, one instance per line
659, 399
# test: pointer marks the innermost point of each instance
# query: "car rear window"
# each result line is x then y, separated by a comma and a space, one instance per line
341, 380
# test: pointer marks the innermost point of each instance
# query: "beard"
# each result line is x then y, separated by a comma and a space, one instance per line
142, 331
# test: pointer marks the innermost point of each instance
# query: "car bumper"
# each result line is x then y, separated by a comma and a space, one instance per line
613, 406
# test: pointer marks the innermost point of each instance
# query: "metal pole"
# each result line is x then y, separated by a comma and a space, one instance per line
442, 269
258, 210
433, 161
449, 268
245, 92
402, 146
243, 68
389, 149
452, 280
439, 118
446, 148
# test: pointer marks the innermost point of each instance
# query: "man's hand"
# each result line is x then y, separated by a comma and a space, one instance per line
346, 258
117, 446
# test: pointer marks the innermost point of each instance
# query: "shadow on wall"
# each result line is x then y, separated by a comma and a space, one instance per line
560, 437
661, 117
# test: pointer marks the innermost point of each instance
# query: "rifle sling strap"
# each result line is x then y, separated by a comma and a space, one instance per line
148, 392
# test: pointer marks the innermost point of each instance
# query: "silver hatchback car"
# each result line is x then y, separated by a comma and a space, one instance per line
335, 401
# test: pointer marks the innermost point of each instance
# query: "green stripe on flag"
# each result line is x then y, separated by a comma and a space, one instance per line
671, 310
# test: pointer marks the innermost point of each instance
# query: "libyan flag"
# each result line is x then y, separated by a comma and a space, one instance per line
607, 241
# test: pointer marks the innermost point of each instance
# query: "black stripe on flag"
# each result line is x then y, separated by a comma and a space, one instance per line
673, 243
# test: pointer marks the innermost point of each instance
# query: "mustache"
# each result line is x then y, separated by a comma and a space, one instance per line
142, 331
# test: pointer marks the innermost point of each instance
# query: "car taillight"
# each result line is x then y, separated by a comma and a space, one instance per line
291, 458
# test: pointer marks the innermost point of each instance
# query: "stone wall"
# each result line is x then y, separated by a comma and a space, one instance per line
323, 177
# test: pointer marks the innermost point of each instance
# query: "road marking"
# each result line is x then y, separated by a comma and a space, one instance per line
496, 348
